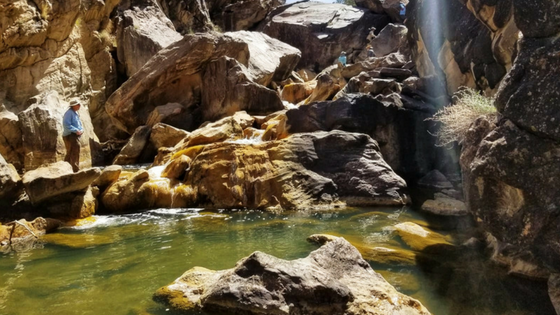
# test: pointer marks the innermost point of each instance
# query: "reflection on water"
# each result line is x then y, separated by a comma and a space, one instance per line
114, 264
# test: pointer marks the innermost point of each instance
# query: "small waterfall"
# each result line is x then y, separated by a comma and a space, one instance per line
255, 138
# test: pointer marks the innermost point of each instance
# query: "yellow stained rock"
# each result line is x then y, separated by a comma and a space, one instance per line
380, 254
77, 240
81, 222
402, 281
417, 237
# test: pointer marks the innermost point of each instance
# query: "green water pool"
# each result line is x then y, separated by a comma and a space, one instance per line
114, 264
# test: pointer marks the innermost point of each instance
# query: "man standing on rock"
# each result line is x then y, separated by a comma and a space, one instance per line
72, 131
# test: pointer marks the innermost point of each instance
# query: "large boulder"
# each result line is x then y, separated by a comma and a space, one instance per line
392, 38
322, 31
303, 171
185, 73
271, 60
164, 135
403, 134
56, 179
262, 284
131, 153
41, 129
230, 89
465, 48
141, 33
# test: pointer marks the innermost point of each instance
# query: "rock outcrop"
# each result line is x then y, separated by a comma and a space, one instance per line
402, 134
41, 130
262, 283
57, 179
322, 31
189, 73
472, 48
510, 165
142, 32
315, 170
21, 235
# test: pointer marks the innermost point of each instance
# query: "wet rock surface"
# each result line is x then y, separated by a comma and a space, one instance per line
262, 283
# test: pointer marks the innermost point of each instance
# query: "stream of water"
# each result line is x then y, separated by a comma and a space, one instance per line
114, 264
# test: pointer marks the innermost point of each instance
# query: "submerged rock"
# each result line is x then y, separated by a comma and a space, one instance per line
333, 279
444, 205
417, 237
77, 240
378, 254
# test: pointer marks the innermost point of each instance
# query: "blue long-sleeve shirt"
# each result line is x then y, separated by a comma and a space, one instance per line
71, 122
342, 60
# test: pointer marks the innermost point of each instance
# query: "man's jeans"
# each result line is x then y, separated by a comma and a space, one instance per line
72, 143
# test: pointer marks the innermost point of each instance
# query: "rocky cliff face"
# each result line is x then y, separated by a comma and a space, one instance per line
510, 166
463, 42
60, 47
322, 31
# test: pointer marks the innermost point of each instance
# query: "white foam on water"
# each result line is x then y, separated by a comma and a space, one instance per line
155, 172
255, 139
288, 105
160, 215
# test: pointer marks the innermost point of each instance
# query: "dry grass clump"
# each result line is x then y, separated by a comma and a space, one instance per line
456, 119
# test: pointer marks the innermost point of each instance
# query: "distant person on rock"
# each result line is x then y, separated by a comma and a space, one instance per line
402, 12
342, 58
370, 52
72, 131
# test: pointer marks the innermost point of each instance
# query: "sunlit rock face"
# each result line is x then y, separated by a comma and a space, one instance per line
143, 31
322, 31
61, 46
210, 75
261, 283
41, 132
467, 43
303, 171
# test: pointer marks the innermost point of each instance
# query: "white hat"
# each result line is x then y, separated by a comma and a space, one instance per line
75, 102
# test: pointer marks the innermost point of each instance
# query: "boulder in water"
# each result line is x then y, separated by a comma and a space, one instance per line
262, 283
